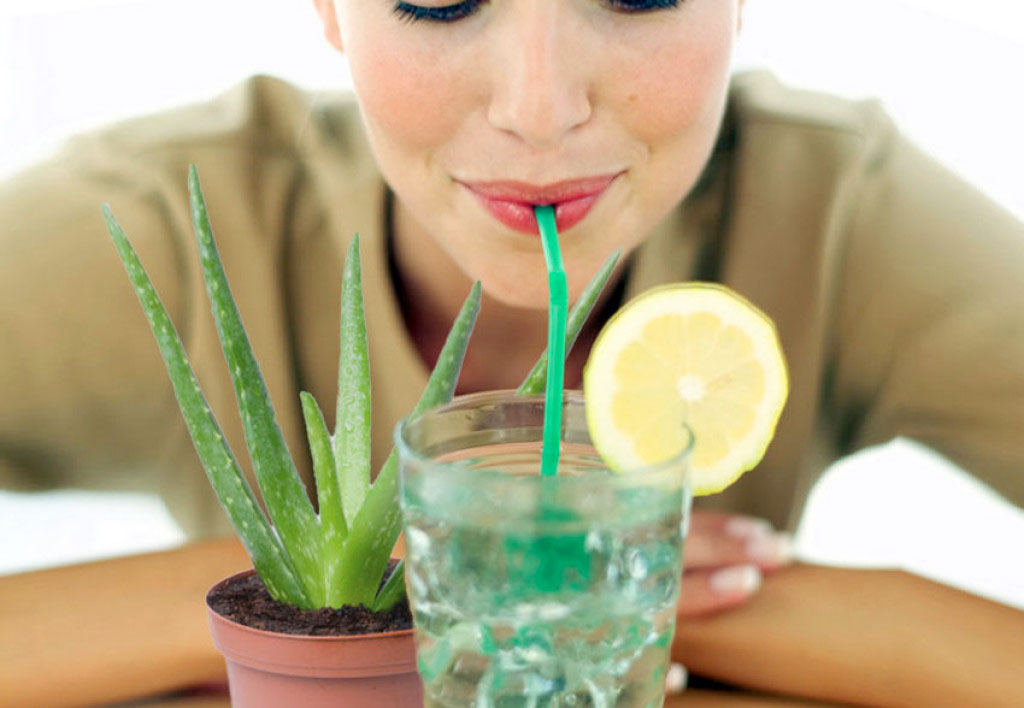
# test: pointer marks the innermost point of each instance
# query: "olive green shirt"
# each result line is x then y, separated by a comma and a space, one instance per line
895, 288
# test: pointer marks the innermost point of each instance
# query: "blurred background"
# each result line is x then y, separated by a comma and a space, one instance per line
949, 73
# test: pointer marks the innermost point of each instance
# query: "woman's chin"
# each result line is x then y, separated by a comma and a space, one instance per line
511, 295
523, 288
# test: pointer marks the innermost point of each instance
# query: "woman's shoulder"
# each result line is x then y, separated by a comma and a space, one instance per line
759, 99
259, 143
262, 115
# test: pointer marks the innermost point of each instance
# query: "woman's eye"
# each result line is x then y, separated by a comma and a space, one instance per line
451, 13
642, 5
443, 13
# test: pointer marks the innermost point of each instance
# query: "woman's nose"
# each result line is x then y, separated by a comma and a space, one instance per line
539, 85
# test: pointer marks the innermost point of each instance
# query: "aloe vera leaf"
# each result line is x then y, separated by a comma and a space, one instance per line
283, 492
352, 419
332, 518
264, 548
443, 379
393, 591
536, 380
372, 536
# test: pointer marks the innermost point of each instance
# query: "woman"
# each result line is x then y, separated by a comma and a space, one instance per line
888, 279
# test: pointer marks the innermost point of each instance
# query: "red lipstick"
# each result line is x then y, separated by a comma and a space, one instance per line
512, 202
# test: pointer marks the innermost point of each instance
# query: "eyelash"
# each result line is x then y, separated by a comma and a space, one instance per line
452, 13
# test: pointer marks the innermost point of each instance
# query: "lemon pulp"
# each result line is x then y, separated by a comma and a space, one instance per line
691, 353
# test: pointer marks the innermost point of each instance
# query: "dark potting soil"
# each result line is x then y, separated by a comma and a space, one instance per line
246, 601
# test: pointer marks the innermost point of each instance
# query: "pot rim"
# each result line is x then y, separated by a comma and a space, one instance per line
297, 637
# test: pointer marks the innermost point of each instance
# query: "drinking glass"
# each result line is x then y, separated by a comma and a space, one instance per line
530, 590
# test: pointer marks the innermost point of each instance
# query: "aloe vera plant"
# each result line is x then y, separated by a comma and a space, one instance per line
339, 554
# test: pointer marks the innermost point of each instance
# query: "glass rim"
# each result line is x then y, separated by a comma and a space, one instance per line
638, 474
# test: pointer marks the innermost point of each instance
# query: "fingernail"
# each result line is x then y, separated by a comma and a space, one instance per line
742, 579
776, 549
748, 527
675, 678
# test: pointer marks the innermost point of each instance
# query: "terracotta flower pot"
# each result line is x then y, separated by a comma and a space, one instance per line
273, 669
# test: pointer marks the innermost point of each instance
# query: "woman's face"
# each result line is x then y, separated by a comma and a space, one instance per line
478, 109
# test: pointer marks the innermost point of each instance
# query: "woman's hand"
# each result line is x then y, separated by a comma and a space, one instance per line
724, 558
112, 630
862, 637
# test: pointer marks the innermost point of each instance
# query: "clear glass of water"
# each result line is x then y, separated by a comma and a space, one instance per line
537, 591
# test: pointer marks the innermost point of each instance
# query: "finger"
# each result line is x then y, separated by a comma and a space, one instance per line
675, 679
710, 549
706, 520
706, 591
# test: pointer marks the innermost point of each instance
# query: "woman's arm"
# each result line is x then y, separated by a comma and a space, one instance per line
863, 637
112, 630
86, 401
722, 699
136, 626
929, 333
130, 627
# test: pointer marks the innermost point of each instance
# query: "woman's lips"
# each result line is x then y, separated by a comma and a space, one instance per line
512, 203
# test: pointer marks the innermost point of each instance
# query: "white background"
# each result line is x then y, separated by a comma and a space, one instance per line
949, 72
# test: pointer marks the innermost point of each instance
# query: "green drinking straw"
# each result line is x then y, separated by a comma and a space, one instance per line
558, 305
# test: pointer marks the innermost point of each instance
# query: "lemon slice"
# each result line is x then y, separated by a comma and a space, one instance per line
694, 353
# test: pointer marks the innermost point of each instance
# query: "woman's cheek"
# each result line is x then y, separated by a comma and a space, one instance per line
674, 109
408, 95
675, 88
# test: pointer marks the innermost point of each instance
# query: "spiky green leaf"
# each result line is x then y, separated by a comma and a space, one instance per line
332, 517
373, 534
283, 492
393, 591
268, 556
352, 419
